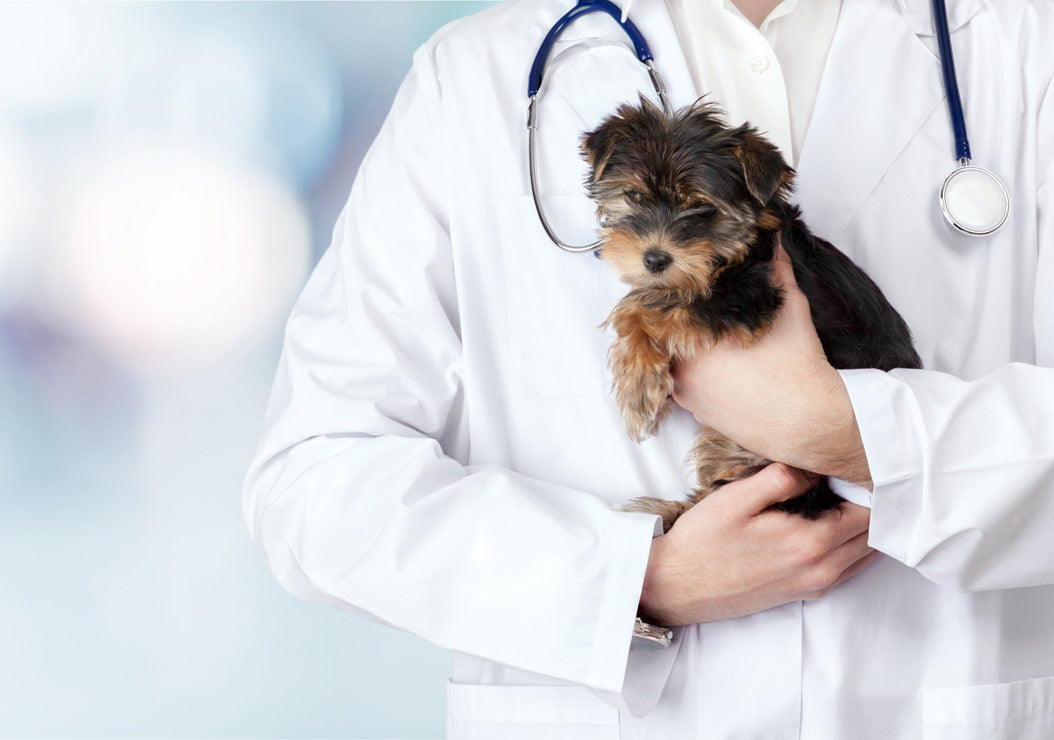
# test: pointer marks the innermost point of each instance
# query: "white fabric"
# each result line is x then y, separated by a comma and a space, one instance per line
442, 449
851, 492
768, 76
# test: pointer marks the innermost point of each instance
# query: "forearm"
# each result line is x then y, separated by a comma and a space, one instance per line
778, 396
819, 432
795, 410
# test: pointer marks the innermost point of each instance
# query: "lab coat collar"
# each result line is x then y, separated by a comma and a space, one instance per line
653, 19
549, 11
919, 14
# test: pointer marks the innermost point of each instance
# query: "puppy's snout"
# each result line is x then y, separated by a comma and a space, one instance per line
656, 260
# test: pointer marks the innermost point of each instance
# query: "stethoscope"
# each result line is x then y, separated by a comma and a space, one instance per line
973, 200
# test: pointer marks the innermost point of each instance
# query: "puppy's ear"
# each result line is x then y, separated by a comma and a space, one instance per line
598, 145
764, 170
627, 125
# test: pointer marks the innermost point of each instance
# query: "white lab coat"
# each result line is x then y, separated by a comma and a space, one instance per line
442, 450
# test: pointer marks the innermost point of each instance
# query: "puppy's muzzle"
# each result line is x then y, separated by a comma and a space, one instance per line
657, 260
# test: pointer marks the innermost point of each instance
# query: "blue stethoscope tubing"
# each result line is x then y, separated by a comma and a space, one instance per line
534, 84
972, 199
975, 201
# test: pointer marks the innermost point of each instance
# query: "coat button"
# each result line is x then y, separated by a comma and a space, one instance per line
760, 64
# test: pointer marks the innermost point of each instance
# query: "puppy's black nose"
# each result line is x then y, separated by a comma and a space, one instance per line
656, 260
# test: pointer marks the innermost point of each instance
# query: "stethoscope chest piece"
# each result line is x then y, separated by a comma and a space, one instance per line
974, 201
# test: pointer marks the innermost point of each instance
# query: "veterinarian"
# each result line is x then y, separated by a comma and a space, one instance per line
442, 452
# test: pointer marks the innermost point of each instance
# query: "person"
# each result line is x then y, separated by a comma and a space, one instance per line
442, 452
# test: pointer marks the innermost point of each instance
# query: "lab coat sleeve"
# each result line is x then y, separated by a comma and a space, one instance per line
963, 471
361, 495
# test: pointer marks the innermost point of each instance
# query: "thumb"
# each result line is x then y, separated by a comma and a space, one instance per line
774, 484
783, 269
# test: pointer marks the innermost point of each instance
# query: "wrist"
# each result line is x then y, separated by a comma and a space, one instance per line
656, 593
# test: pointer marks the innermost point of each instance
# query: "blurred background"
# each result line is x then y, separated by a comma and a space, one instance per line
169, 173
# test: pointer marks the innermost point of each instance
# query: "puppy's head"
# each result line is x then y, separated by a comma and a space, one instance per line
680, 198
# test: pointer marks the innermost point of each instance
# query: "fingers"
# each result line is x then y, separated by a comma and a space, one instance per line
856, 567
829, 545
783, 277
828, 550
847, 555
845, 523
773, 484
783, 270
732, 554
776, 483
843, 565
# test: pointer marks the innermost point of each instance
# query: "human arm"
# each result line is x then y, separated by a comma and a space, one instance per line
779, 397
363, 493
962, 471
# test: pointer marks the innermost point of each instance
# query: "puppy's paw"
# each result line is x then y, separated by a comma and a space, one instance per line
668, 510
718, 460
645, 399
640, 363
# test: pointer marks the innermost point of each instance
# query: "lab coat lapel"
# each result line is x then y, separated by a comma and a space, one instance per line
919, 14
880, 84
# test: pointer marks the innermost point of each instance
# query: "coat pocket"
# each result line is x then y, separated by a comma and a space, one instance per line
477, 712
1022, 710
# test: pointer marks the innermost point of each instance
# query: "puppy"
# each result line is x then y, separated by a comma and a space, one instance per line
691, 213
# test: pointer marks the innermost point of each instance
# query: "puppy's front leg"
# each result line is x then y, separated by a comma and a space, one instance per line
670, 511
640, 360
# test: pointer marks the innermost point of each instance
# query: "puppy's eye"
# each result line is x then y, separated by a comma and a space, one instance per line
632, 195
698, 219
701, 214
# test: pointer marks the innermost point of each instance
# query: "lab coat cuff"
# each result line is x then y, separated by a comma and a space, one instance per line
645, 672
885, 414
629, 546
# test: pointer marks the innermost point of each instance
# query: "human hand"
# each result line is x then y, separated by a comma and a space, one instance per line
731, 555
778, 397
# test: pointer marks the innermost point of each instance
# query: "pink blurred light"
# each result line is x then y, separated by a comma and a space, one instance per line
172, 258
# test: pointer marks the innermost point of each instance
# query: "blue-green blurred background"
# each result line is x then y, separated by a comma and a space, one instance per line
169, 173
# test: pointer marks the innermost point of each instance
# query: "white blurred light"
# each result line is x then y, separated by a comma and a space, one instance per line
54, 55
217, 94
172, 258
260, 90
19, 213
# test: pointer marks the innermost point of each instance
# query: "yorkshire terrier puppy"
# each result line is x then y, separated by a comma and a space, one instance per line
691, 213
